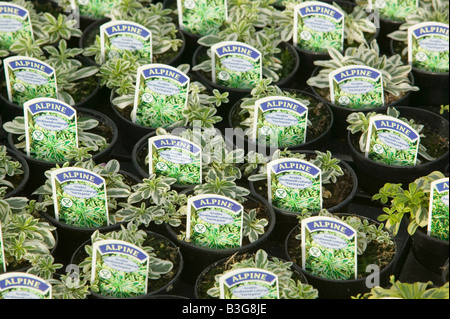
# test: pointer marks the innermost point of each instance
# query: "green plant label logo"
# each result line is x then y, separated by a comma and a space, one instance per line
281, 119
318, 26
438, 217
79, 197
50, 129
294, 185
356, 86
119, 268
117, 37
2, 252
214, 221
20, 285
161, 96
202, 17
95, 8
175, 157
391, 141
428, 46
29, 78
329, 248
249, 283
396, 10
14, 23
236, 65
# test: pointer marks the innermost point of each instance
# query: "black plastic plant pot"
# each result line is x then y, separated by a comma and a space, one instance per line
10, 110
343, 289
198, 257
164, 248
72, 236
373, 175
107, 128
346, 188
20, 181
430, 252
386, 27
319, 114
444, 272
205, 280
341, 113
433, 85
89, 35
287, 81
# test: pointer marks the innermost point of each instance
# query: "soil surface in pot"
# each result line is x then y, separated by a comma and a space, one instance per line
317, 113
375, 253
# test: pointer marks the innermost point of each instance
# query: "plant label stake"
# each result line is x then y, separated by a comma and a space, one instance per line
28, 78
391, 141
79, 197
428, 46
117, 37
161, 95
356, 86
119, 268
395, 10
249, 283
175, 157
202, 17
235, 64
214, 221
14, 23
94, 9
2, 252
438, 217
329, 248
280, 119
294, 185
50, 129
20, 285
318, 26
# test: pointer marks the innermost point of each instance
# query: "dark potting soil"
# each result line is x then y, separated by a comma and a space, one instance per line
317, 114
375, 253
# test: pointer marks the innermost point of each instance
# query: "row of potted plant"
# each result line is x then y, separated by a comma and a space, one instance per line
158, 203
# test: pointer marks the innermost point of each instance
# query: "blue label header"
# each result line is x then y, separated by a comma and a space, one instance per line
217, 202
437, 29
442, 186
27, 63
174, 142
24, 281
283, 104
397, 126
123, 248
251, 275
122, 28
357, 72
299, 166
240, 49
333, 225
79, 175
8, 9
57, 107
165, 72
320, 9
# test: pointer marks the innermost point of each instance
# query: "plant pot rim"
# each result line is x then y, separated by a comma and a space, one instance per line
422, 233
98, 22
271, 218
99, 154
26, 172
417, 70
333, 209
388, 267
362, 109
303, 145
160, 290
280, 83
221, 261
357, 153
